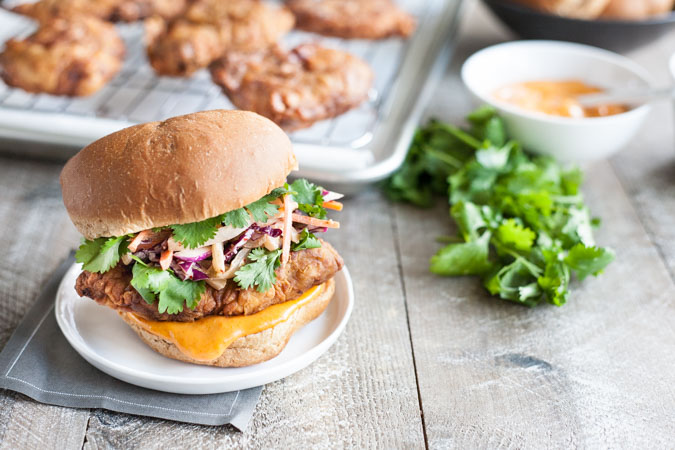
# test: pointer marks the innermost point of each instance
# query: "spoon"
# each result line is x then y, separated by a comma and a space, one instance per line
627, 96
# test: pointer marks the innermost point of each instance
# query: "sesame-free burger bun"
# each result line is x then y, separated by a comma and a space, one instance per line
185, 169
247, 350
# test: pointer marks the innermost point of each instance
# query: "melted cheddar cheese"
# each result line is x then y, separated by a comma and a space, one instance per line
206, 339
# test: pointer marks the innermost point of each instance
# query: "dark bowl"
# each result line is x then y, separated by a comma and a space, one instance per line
616, 35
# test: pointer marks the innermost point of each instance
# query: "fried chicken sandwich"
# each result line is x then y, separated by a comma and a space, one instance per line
194, 236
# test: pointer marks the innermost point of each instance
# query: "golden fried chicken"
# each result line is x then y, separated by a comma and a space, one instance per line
64, 57
208, 29
294, 88
366, 19
305, 269
108, 10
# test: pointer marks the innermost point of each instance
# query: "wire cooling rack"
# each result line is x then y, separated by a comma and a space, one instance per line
349, 149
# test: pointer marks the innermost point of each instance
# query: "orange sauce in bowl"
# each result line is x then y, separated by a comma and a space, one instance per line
556, 98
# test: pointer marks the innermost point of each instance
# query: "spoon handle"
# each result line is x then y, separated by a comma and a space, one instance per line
628, 96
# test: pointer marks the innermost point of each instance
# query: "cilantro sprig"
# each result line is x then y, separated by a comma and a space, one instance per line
308, 196
260, 272
101, 254
193, 235
173, 293
523, 225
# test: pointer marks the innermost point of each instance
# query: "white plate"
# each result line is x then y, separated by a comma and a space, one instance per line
101, 337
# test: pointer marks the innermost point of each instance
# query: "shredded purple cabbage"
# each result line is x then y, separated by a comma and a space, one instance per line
238, 243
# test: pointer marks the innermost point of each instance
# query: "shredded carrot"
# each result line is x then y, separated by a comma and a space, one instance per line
165, 259
135, 242
288, 225
313, 221
337, 206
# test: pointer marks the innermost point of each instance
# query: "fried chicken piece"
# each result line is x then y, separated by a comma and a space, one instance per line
109, 10
365, 19
294, 88
64, 57
306, 268
210, 28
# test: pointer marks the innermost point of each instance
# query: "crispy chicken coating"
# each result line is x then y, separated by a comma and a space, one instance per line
305, 269
371, 19
64, 57
210, 28
294, 88
109, 10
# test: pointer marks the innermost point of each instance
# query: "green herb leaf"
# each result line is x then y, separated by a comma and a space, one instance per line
587, 261
467, 258
516, 236
307, 240
102, 254
237, 218
173, 293
262, 209
260, 271
193, 235
308, 197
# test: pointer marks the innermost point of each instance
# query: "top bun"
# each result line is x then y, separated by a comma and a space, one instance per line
186, 169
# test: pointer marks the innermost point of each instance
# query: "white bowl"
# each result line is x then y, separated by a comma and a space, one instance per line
565, 138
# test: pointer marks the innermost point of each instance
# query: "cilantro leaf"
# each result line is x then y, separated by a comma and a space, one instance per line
587, 261
260, 271
173, 293
516, 236
193, 235
308, 197
466, 258
469, 218
261, 209
237, 218
307, 240
102, 254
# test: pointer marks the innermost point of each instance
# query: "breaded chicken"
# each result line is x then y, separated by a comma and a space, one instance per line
209, 29
305, 269
294, 88
366, 19
64, 57
108, 10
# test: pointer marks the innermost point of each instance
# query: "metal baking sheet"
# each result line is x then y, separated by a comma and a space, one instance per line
348, 152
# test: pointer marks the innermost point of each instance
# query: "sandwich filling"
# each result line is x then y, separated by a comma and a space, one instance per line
238, 263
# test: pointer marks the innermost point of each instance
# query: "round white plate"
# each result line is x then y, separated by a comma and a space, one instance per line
101, 337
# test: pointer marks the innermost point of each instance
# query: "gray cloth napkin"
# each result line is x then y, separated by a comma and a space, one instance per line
39, 362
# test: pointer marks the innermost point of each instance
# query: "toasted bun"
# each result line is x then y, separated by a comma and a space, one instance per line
185, 169
251, 349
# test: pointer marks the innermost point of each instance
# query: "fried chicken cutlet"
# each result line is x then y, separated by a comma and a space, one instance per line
365, 19
208, 29
294, 88
73, 57
306, 269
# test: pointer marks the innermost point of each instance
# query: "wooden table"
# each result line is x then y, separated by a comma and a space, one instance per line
424, 361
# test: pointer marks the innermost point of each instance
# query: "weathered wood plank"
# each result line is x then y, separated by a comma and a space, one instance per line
647, 167
36, 235
361, 393
594, 373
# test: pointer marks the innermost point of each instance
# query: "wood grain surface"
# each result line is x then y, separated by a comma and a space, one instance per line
425, 361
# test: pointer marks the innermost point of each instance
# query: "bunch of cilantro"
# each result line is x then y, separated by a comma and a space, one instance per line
154, 284
523, 225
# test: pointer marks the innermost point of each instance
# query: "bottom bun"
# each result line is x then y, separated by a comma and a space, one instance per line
247, 350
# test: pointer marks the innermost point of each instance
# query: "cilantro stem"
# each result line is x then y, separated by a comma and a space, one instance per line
444, 157
462, 136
